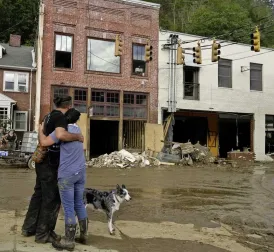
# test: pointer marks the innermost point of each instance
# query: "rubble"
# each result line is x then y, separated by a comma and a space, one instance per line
121, 159
186, 153
175, 153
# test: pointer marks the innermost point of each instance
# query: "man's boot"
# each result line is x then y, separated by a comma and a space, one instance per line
66, 242
83, 231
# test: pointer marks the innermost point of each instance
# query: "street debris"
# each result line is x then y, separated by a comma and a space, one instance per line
121, 159
186, 153
172, 153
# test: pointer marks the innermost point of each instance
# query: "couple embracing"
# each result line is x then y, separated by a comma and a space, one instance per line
60, 174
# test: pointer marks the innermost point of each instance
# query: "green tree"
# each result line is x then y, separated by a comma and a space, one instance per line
209, 18
19, 17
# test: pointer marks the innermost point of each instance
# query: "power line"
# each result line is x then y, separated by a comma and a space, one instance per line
215, 63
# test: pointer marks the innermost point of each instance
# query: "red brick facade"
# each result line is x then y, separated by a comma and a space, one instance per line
135, 23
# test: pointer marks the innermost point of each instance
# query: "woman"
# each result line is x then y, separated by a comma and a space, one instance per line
71, 182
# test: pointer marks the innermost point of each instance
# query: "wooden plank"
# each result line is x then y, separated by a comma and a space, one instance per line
88, 125
154, 137
120, 133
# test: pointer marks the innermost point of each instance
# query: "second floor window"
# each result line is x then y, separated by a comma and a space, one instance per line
100, 56
16, 81
225, 73
63, 51
256, 77
138, 60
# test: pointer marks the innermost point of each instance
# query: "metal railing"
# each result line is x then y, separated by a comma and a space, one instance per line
191, 91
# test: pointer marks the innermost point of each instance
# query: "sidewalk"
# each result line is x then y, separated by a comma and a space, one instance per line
12, 241
133, 232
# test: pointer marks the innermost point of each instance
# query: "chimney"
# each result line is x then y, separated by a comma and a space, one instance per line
15, 40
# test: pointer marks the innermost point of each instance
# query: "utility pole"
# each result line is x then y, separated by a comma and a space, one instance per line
39, 67
172, 42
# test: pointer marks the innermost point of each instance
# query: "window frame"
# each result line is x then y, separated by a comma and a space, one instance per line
145, 74
256, 67
14, 120
16, 83
230, 77
102, 72
105, 104
136, 106
80, 102
72, 50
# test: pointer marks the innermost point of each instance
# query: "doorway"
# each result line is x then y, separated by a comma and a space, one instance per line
188, 128
234, 133
103, 137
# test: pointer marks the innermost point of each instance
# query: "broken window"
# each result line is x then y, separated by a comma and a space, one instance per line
100, 56
225, 73
63, 51
191, 85
80, 100
256, 77
138, 60
135, 106
105, 103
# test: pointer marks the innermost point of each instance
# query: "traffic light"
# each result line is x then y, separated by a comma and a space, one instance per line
180, 55
118, 46
255, 40
148, 53
215, 51
197, 54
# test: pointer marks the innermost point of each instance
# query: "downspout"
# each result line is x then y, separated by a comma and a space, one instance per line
30, 98
39, 66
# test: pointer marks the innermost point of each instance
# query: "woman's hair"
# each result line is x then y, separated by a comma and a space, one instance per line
72, 115
62, 102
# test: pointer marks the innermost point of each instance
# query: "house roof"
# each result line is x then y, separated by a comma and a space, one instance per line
6, 98
16, 56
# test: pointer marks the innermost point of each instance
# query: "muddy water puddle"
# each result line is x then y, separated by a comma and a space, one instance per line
204, 197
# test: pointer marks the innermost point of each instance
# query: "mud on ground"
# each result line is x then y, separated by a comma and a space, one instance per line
173, 209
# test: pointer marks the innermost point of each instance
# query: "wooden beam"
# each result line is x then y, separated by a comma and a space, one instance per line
88, 125
121, 121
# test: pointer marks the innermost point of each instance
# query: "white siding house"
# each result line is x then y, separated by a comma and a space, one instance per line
234, 94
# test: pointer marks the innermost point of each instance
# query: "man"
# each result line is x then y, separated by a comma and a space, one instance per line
45, 202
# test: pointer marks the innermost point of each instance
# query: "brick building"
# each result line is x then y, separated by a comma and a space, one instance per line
17, 84
116, 95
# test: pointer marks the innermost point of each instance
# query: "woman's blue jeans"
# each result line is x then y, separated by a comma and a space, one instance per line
71, 192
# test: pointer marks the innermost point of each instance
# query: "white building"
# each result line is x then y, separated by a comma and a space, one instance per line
225, 104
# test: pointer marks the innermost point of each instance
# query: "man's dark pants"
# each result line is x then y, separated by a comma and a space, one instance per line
45, 202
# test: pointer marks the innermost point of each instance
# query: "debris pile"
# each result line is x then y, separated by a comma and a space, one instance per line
121, 159
186, 153
175, 153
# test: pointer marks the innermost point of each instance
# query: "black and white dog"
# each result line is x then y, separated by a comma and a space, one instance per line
108, 202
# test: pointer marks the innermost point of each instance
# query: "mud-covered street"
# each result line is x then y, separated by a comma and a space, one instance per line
172, 209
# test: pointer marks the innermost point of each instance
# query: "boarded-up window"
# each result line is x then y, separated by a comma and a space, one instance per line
135, 106
256, 77
225, 73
